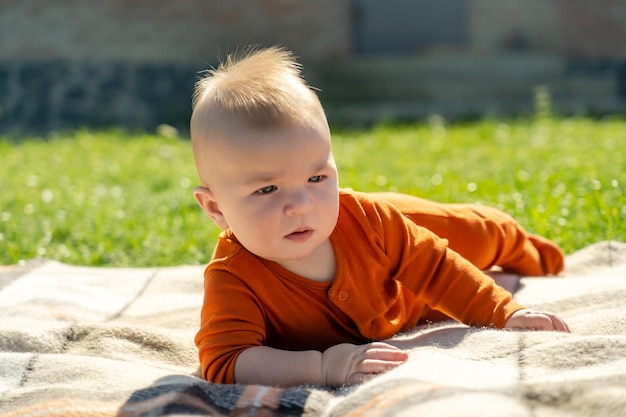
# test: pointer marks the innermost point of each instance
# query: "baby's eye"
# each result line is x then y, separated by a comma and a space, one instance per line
266, 190
316, 178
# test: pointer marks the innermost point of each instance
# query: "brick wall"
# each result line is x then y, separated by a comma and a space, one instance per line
512, 25
576, 29
67, 63
593, 29
192, 31
181, 31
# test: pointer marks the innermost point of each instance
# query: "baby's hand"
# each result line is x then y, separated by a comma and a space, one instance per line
534, 320
349, 364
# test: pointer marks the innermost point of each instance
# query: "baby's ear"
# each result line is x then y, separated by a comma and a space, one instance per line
206, 200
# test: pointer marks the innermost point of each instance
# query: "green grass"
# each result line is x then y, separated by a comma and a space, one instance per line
115, 198
101, 198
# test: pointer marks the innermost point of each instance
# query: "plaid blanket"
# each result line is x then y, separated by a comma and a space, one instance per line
80, 341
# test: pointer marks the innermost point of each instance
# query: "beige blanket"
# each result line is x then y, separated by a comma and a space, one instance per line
80, 341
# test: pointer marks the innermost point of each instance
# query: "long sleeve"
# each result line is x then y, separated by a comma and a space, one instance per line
225, 331
398, 270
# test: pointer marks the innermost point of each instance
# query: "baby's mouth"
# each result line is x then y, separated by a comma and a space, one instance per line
300, 235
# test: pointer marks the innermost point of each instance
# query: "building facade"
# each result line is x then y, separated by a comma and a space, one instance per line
133, 63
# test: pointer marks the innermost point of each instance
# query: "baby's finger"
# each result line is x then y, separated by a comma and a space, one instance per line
382, 345
386, 354
558, 324
375, 366
545, 321
537, 321
358, 378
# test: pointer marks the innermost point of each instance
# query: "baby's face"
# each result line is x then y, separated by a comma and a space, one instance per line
277, 190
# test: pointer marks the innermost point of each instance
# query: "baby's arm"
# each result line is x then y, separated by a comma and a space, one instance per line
338, 365
534, 320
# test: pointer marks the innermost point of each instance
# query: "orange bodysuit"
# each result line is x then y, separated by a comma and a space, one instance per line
391, 273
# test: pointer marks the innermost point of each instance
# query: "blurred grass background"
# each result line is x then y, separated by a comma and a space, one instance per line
112, 198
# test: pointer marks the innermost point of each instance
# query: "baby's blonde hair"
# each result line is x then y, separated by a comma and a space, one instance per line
262, 88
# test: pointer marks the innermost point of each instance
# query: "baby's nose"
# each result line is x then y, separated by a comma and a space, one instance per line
299, 202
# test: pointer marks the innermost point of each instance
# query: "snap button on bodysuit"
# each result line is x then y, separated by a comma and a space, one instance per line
343, 295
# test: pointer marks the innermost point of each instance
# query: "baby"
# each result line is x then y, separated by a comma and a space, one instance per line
307, 279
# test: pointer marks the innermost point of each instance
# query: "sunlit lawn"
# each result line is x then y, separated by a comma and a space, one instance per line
115, 198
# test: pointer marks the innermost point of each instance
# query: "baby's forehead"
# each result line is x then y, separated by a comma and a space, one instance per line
217, 132
239, 128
